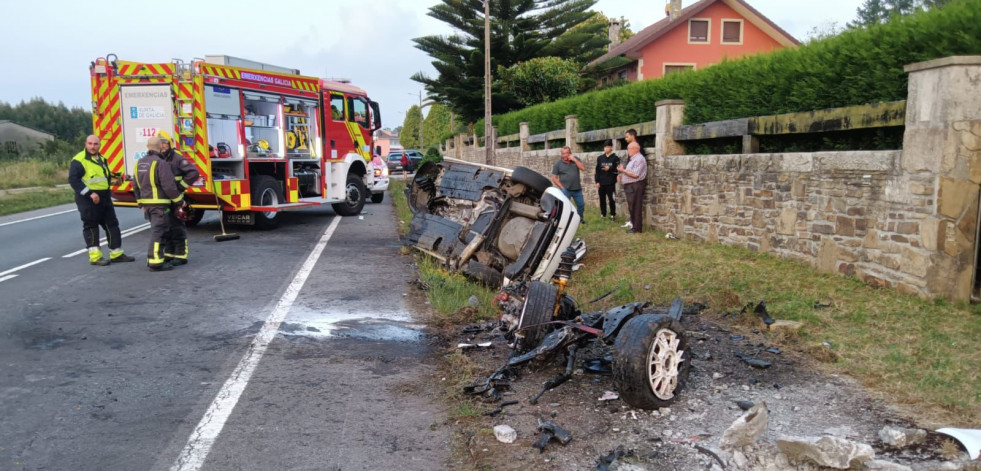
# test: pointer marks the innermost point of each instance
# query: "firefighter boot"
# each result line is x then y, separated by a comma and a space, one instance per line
96, 258
117, 256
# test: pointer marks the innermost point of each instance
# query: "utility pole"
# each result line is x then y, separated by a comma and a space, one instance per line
488, 139
422, 148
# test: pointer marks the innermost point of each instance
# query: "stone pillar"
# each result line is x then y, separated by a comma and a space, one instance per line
943, 140
571, 131
458, 141
523, 132
670, 114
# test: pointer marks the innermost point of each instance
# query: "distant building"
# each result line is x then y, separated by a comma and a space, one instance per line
386, 140
15, 138
692, 38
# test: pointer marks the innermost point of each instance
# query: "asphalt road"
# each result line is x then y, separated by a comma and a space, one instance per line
287, 349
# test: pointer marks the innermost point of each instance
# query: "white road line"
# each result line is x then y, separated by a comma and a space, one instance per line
3, 273
122, 234
206, 433
5, 278
37, 217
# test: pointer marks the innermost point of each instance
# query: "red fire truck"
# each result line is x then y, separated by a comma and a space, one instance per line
265, 139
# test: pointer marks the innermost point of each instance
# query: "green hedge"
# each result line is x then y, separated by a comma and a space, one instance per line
856, 67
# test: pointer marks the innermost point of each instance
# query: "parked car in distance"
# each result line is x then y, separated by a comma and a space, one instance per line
395, 160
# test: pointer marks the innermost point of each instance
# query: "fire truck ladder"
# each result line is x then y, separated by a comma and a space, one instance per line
185, 106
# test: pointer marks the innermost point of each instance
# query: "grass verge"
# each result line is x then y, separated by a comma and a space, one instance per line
921, 355
11, 203
28, 173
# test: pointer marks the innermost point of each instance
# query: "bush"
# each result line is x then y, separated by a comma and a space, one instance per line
856, 67
432, 155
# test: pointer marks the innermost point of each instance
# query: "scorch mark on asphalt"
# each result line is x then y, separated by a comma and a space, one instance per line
206, 433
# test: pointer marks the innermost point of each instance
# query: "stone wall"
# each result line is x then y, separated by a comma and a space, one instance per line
900, 219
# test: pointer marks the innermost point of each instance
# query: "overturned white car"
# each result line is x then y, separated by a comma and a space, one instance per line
490, 223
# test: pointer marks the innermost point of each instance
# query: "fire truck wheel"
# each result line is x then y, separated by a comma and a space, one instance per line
651, 361
539, 308
377, 197
354, 197
266, 192
195, 216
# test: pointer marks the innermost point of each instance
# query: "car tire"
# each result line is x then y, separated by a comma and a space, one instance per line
377, 197
531, 179
538, 309
354, 197
266, 192
651, 361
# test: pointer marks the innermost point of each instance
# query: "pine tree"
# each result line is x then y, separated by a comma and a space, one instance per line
520, 30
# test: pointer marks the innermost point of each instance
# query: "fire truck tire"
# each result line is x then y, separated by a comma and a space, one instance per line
377, 197
266, 192
354, 197
651, 361
538, 309
531, 179
196, 215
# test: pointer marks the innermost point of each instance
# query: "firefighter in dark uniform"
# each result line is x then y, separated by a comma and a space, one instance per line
185, 174
157, 193
89, 177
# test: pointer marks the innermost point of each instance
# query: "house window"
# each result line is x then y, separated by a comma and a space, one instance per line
732, 31
11, 147
698, 31
673, 68
622, 75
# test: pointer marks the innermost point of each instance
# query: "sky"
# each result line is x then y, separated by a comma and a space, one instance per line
47, 46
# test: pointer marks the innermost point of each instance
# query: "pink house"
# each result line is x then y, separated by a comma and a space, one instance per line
386, 140
692, 38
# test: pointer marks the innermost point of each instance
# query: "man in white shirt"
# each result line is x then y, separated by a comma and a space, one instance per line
634, 179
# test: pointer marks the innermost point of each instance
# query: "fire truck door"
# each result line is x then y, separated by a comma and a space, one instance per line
359, 122
145, 109
338, 137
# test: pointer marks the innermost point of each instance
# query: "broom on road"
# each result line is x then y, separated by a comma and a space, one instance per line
221, 218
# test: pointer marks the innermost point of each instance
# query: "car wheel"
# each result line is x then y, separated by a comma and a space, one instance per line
531, 179
538, 309
650, 361
266, 192
354, 197
377, 197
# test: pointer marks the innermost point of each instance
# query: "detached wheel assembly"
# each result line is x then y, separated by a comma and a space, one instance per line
651, 361
539, 307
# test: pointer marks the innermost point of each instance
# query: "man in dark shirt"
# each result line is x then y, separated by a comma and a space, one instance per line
565, 175
606, 179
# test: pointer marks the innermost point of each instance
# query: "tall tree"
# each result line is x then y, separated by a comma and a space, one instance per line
541, 80
874, 12
409, 134
520, 30
436, 126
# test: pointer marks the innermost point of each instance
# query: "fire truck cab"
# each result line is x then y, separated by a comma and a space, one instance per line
265, 139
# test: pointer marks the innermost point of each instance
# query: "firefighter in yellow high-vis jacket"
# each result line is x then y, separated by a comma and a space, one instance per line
89, 177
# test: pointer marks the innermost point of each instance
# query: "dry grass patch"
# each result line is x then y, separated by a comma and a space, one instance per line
28, 173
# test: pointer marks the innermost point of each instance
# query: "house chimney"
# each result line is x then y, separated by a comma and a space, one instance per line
614, 33
673, 9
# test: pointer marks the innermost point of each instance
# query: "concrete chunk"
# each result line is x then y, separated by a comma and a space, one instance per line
832, 452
